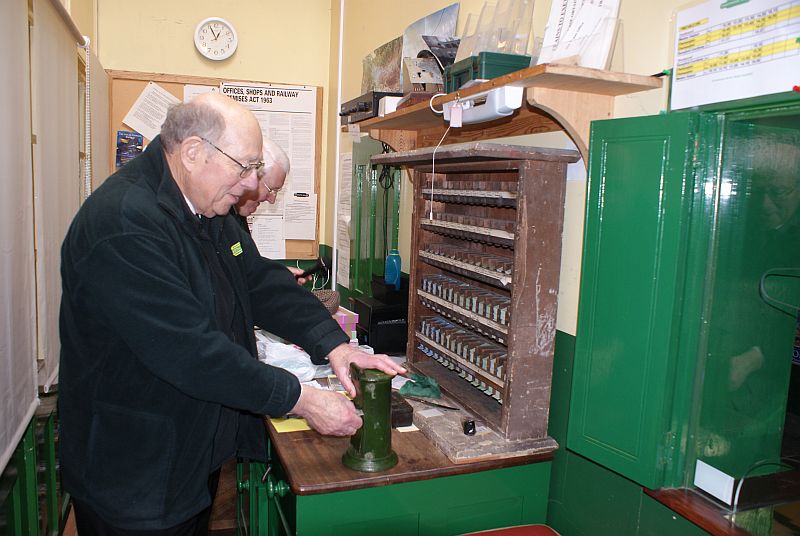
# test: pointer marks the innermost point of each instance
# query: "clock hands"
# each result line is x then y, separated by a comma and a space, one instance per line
215, 38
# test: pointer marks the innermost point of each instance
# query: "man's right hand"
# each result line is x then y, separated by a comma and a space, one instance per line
327, 412
296, 273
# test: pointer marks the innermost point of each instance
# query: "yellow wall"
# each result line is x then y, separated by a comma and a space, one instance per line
297, 42
283, 42
82, 13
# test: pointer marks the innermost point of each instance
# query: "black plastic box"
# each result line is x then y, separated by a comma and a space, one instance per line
382, 326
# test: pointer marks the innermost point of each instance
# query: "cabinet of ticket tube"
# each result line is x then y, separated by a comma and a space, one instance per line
484, 268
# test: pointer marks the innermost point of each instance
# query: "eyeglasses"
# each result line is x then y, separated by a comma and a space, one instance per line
271, 190
245, 168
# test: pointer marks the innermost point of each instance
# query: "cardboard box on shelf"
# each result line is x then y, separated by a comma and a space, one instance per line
347, 319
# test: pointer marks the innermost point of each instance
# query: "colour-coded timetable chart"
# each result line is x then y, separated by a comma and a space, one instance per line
734, 50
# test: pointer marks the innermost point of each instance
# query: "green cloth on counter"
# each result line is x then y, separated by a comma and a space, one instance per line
421, 385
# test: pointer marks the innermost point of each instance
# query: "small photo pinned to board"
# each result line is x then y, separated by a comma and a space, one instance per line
129, 146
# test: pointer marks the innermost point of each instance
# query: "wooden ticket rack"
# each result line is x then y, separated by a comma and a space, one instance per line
485, 262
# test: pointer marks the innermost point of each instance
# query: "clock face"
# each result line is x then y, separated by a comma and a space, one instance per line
215, 38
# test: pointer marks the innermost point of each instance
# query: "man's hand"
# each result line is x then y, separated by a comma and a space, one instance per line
327, 412
344, 354
296, 272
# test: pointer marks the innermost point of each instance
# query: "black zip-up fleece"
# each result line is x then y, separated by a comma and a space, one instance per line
144, 369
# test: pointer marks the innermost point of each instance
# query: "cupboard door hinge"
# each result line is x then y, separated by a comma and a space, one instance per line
667, 450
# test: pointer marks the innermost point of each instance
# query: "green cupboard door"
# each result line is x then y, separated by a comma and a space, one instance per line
752, 278
634, 239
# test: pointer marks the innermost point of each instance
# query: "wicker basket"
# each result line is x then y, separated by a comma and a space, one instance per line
329, 298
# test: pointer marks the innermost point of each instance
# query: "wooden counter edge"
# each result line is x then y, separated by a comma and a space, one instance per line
697, 509
396, 475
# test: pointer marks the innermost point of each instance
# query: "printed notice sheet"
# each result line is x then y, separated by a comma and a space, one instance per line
580, 32
343, 220
267, 233
149, 111
728, 50
300, 216
288, 116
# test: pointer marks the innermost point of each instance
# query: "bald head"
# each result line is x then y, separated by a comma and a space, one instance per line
213, 149
212, 116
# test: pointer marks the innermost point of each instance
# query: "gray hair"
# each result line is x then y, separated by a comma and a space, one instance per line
274, 153
191, 119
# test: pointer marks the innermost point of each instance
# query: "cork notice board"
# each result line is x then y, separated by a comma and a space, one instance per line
126, 86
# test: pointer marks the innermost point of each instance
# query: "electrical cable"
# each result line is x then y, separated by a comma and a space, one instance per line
433, 168
430, 103
323, 284
314, 277
386, 181
756, 465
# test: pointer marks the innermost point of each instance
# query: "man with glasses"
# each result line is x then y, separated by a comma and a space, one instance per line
270, 181
159, 384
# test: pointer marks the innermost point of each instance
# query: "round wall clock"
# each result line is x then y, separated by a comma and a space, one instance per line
215, 38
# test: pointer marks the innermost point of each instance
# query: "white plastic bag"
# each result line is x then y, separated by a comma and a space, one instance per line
274, 351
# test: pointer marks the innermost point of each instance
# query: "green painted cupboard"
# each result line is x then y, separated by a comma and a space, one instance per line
689, 292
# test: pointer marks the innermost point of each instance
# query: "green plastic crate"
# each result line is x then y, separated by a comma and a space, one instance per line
485, 65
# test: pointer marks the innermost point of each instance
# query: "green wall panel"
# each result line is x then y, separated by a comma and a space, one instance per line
440, 506
563, 356
586, 498
655, 519
591, 499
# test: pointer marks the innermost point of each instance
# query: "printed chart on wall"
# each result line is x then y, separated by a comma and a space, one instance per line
288, 116
728, 50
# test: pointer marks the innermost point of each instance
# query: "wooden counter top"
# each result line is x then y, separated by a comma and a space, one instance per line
699, 510
313, 463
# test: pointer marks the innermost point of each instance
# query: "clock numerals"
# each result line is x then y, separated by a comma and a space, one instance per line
215, 39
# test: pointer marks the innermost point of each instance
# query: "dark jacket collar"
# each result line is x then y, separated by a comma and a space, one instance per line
169, 196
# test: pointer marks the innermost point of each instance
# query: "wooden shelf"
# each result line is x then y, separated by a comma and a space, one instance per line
479, 374
499, 280
558, 97
480, 324
474, 233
